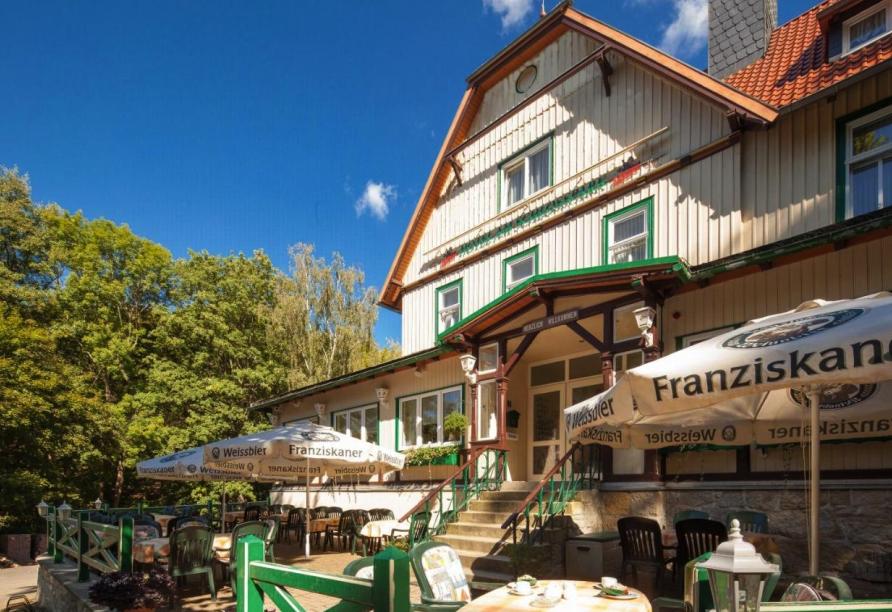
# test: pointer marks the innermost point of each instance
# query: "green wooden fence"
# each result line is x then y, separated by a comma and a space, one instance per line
103, 548
257, 580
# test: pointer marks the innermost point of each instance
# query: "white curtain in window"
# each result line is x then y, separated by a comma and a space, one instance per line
539, 170
514, 179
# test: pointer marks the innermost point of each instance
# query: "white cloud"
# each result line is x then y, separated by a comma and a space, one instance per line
687, 33
512, 12
376, 200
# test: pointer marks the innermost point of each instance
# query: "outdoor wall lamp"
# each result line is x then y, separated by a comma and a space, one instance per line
98, 503
64, 511
43, 508
468, 361
644, 317
320, 409
381, 393
737, 574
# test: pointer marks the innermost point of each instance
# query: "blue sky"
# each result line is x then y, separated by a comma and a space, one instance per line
234, 126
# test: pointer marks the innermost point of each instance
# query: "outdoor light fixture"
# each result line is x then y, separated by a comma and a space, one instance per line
43, 508
64, 511
737, 574
320, 409
644, 317
468, 361
381, 393
98, 503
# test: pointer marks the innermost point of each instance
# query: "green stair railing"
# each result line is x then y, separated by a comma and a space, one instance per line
484, 470
579, 468
257, 580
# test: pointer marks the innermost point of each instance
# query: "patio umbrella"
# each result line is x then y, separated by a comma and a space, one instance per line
818, 349
188, 465
302, 449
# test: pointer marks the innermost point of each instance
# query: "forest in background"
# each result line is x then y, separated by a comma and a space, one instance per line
113, 351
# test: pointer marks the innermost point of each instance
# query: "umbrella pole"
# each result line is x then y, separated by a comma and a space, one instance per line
223, 513
814, 497
307, 514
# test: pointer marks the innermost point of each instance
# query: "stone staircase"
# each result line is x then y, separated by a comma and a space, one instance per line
477, 536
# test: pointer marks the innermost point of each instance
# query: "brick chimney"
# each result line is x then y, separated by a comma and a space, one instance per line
738, 33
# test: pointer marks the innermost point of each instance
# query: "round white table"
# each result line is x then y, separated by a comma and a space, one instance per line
382, 529
501, 599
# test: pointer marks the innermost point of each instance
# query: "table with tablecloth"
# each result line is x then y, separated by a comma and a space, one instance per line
383, 528
502, 599
149, 549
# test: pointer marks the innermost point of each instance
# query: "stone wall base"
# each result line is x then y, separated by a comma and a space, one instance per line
855, 525
59, 590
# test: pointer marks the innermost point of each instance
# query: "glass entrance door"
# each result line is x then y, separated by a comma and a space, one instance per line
547, 428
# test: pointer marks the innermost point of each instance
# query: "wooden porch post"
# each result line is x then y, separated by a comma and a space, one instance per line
502, 394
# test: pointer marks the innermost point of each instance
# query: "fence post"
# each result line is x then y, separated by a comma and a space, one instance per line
125, 544
57, 534
391, 567
83, 570
249, 597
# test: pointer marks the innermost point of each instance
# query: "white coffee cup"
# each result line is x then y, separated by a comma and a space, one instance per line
523, 587
608, 582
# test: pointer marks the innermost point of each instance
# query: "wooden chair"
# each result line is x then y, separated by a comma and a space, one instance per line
418, 527
192, 552
683, 515
697, 536
754, 522
641, 541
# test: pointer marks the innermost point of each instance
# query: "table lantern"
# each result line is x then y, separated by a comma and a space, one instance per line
737, 574
64, 511
98, 503
43, 508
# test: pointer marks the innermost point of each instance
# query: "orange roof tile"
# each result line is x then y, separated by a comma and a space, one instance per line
795, 66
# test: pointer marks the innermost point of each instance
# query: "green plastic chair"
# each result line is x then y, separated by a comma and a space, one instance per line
364, 568
418, 527
754, 522
254, 528
192, 552
442, 578
684, 515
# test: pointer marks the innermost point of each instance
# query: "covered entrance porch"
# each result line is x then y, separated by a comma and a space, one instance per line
551, 342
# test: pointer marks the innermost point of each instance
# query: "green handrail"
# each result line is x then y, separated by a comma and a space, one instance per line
256, 580
484, 470
97, 546
579, 468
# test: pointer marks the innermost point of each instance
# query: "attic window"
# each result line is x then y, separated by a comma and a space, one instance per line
866, 27
526, 78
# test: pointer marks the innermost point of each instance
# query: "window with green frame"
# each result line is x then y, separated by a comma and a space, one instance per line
626, 234
448, 306
360, 422
519, 267
420, 417
526, 173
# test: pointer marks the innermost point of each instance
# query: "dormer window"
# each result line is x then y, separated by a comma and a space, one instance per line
526, 174
866, 27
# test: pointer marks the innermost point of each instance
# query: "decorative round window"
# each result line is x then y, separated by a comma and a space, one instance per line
526, 78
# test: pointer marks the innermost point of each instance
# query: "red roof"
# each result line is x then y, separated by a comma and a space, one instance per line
795, 66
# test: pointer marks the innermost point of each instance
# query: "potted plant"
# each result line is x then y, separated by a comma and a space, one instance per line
134, 592
455, 425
